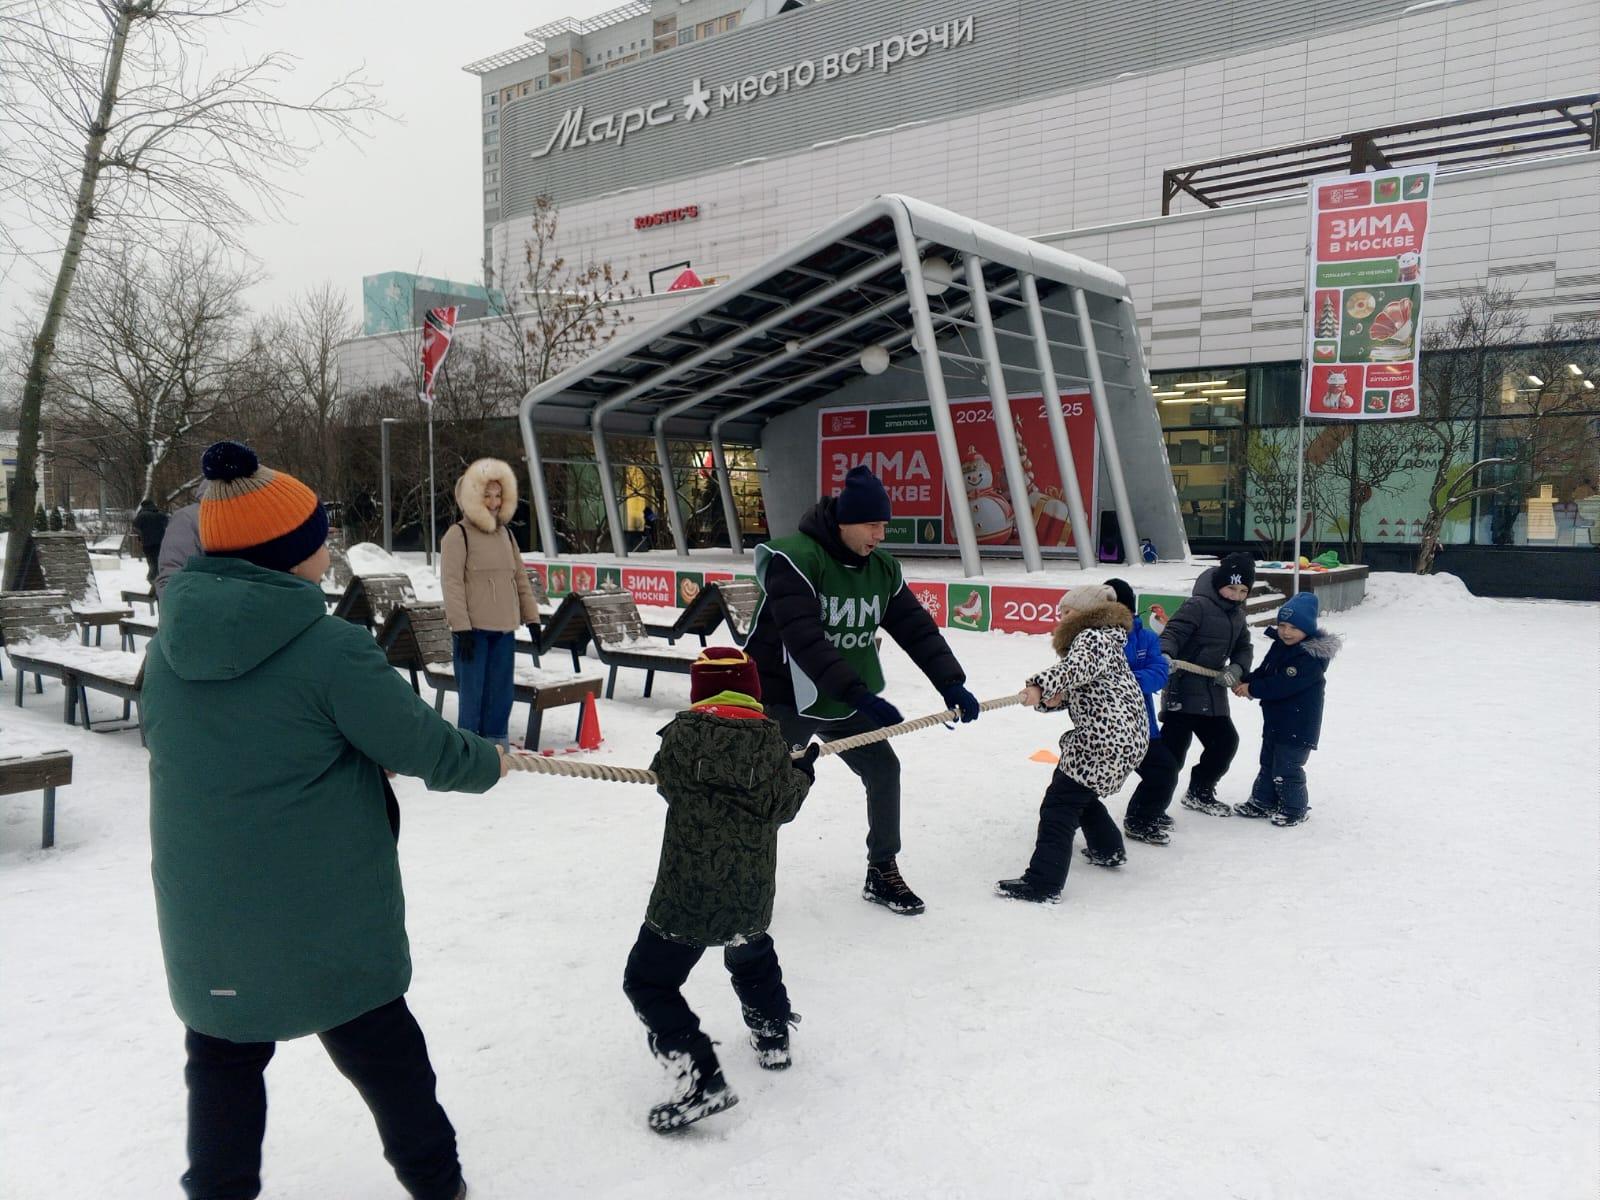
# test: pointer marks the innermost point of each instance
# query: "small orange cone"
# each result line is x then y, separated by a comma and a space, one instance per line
1045, 756
589, 734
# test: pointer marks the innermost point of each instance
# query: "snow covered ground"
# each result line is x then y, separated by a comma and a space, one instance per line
1395, 1000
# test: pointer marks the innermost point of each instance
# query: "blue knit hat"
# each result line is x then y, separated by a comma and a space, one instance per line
1301, 612
863, 499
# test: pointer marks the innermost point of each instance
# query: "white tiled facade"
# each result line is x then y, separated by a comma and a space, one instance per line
1083, 169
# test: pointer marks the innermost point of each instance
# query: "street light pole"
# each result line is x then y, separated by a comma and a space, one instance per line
388, 526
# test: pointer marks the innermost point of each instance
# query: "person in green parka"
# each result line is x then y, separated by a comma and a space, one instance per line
271, 725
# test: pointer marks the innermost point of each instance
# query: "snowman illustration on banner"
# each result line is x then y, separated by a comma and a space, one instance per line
993, 519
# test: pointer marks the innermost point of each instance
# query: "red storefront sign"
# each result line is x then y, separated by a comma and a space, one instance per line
667, 216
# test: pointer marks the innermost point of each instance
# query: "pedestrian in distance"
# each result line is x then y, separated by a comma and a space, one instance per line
1109, 734
150, 523
486, 597
1209, 650
826, 591
1291, 684
725, 771
271, 725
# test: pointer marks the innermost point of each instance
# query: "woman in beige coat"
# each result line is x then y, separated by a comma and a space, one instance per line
486, 596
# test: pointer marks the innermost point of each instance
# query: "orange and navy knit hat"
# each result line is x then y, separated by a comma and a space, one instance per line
723, 669
255, 513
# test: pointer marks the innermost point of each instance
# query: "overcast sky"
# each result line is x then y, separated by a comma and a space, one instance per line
408, 198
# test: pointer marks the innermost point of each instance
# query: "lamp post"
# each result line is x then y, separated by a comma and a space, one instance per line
388, 527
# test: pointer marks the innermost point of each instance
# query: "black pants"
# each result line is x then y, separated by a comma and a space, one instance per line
1158, 779
875, 765
1068, 806
1219, 741
657, 969
382, 1052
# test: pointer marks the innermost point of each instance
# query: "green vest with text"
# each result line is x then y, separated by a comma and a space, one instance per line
851, 601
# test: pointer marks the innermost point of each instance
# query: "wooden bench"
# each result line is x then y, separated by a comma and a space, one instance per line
567, 629
732, 602
422, 630
27, 773
40, 640
60, 562
620, 640
136, 627
131, 597
369, 599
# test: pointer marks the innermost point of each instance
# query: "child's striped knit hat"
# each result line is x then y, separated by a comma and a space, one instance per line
255, 513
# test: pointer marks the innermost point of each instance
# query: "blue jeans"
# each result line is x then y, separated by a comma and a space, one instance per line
483, 682
1280, 785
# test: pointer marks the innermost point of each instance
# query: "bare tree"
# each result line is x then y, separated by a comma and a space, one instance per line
113, 120
147, 357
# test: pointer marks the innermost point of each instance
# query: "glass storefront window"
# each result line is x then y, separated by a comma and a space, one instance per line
1208, 472
1548, 492
1200, 399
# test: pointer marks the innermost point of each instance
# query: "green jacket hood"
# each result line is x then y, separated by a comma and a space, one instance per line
223, 617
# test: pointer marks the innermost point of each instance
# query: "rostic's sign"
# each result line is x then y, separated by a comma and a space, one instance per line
668, 216
576, 129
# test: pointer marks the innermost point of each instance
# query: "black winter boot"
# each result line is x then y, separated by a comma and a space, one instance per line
1204, 799
1105, 858
699, 1089
1025, 889
884, 886
770, 1039
1153, 834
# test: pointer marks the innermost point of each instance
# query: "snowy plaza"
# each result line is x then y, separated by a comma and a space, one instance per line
1395, 999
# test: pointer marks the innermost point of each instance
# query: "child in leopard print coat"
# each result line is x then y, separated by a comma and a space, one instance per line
1108, 737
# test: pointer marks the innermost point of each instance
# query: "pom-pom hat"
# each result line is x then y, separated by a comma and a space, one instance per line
252, 512
723, 669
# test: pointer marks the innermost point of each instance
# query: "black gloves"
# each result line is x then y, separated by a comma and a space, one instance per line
806, 764
878, 710
963, 701
463, 645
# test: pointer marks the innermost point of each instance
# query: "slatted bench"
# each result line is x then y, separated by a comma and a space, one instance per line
131, 596
540, 690
369, 599
40, 640
567, 629
620, 641
136, 627
60, 562
732, 602
36, 772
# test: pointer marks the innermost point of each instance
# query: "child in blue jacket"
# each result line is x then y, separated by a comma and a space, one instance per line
1290, 683
1158, 767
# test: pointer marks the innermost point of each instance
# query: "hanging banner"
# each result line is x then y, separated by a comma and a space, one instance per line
1369, 237
438, 327
898, 443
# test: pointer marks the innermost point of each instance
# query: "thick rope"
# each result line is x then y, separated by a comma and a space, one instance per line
577, 769
1195, 668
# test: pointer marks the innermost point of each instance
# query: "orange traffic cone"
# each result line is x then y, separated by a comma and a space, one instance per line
588, 725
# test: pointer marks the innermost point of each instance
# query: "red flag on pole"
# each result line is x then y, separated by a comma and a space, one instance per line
438, 327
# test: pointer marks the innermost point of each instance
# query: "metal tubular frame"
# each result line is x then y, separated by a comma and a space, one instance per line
1108, 434
1000, 401
1082, 531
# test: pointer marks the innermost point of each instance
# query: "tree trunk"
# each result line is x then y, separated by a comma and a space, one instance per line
44, 344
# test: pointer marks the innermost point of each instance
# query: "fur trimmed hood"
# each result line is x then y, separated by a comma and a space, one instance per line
1109, 615
1323, 644
470, 488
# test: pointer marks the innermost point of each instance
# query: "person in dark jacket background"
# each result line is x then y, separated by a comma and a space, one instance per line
278, 892
729, 783
150, 523
826, 592
1290, 683
1207, 632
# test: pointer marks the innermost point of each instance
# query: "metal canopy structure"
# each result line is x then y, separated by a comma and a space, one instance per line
912, 279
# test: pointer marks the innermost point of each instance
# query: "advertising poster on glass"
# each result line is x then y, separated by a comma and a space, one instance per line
898, 443
1367, 272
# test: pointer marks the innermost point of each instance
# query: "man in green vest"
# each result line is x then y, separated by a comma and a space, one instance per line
827, 591
278, 894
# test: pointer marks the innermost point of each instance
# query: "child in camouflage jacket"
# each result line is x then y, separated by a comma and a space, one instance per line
725, 772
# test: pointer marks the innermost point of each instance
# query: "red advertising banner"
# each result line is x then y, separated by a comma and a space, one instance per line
934, 597
898, 443
1024, 609
651, 587
1367, 270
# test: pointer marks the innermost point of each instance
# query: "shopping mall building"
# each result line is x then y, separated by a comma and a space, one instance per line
1167, 139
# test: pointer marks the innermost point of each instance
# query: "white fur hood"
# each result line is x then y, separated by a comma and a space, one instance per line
470, 488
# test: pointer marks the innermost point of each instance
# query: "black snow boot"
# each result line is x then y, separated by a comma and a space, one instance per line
884, 886
1285, 820
1204, 799
1163, 820
770, 1039
1025, 889
1250, 810
1105, 858
698, 1087
1152, 833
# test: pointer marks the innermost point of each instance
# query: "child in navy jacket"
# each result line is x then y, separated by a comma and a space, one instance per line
1290, 683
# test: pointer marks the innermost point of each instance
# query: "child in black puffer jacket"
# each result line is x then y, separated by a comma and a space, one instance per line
1290, 683
1207, 632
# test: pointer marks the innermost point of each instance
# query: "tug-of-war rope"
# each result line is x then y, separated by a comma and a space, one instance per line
540, 765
